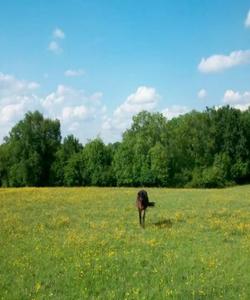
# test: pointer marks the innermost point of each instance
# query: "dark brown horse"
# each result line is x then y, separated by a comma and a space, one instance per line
142, 203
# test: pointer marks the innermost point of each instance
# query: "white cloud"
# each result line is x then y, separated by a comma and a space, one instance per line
74, 127
144, 98
69, 103
58, 34
237, 99
58, 97
83, 114
202, 94
96, 97
16, 98
231, 97
174, 111
74, 108
13, 90
10, 86
55, 47
75, 112
74, 73
11, 112
218, 62
65, 96
247, 21
33, 85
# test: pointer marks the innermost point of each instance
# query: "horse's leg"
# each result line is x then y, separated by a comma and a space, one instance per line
139, 215
143, 218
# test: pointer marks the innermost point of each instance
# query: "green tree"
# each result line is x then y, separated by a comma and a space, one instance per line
159, 165
74, 171
32, 145
4, 164
132, 161
68, 148
97, 159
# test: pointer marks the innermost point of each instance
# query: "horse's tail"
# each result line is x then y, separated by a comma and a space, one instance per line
151, 204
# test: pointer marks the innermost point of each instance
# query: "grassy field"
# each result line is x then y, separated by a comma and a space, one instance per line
85, 243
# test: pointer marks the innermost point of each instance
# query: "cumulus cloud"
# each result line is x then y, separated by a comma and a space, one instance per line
74, 127
96, 97
14, 91
247, 21
16, 97
174, 111
55, 47
65, 96
202, 94
59, 96
11, 87
58, 34
76, 110
70, 103
144, 98
218, 62
11, 111
74, 73
236, 99
79, 112
73, 107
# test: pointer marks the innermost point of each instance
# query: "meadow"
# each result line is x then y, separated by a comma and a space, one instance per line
85, 243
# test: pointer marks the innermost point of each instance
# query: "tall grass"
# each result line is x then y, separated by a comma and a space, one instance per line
85, 243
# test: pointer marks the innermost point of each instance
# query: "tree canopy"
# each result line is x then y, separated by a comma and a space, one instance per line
198, 149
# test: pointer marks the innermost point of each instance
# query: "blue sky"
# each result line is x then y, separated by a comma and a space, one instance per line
93, 64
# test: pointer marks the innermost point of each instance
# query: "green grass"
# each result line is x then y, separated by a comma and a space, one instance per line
85, 243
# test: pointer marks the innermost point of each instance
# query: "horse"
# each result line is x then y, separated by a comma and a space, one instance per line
142, 203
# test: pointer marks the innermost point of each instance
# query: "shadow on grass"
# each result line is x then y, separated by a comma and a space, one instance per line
165, 223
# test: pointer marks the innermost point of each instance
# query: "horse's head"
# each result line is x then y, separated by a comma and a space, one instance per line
142, 196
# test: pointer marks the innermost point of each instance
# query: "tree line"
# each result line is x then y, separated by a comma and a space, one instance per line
198, 149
